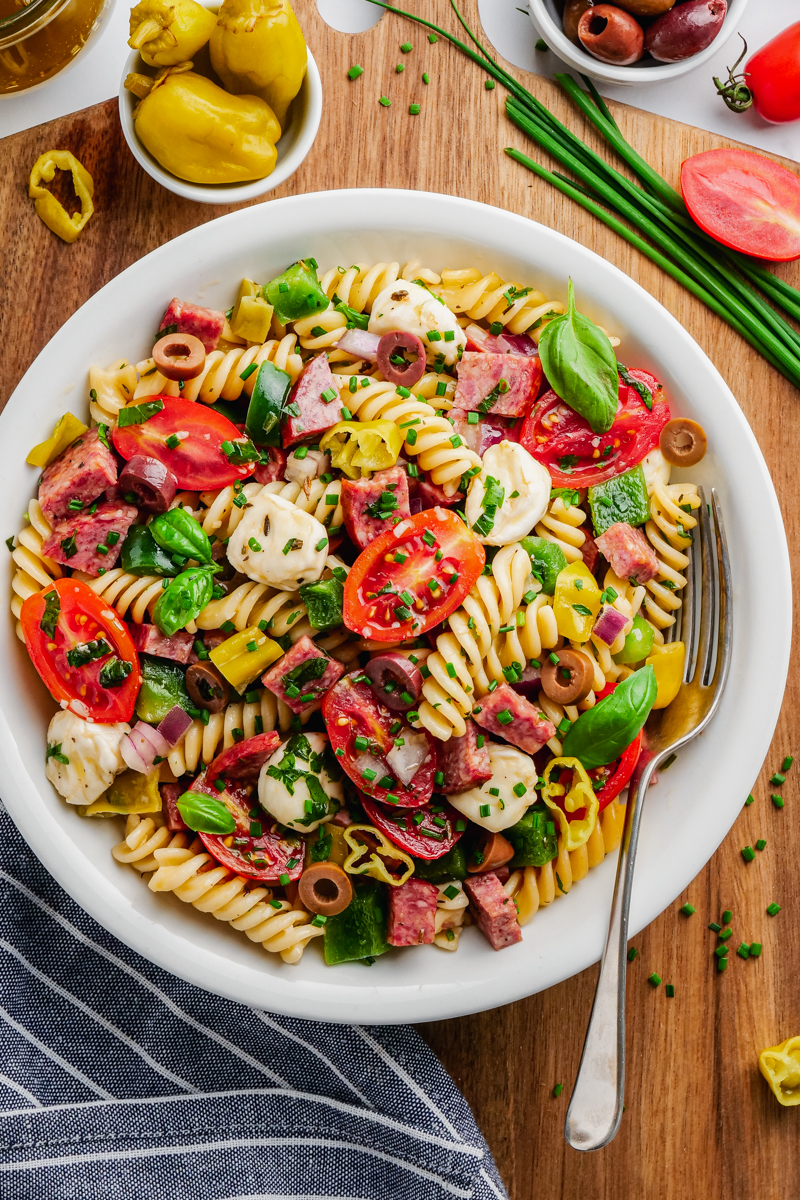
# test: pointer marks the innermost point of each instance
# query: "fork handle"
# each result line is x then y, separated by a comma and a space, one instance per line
595, 1107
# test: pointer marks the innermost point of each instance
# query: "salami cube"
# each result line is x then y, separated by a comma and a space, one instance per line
371, 506
430, 495
206, 324
78, 476
412, 913
512, 717
314, 403
241, 763
504, 385
629, 552
495, 912
462, 763
273, 470
169, 807
148, 639
91, 542
590, 552
303, 676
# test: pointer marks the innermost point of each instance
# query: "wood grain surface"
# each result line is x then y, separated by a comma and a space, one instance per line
700, 1121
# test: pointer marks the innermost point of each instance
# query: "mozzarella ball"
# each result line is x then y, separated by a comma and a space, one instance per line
518, 472
656, 470
412, 308
276, 543
509, 768
93, 753
289, 806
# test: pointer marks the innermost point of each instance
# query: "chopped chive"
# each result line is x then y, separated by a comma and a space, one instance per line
721, 951
432, 38
385, 101
425, 77
355, 71
519, 789
557, 1090
714, 927
489, 84
485, 810
722, 964
748, 853
632, 953
688, 910
406, 47
778, 801
284, 880
750, 799
369, 774
400, 68
725, 934
760, 844
773, 909
654, 979
414, 110
743, 950
726, 916
786, 764
670, 990
755, 949
778, 778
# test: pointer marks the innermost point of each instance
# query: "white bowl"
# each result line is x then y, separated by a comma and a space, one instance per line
695, 803
293, 146
547, 20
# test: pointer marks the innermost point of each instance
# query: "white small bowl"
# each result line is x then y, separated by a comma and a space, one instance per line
294, 144
547, 20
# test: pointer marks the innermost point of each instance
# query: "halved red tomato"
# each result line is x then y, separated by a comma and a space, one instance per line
196, 458
426, 833
269, 857
578, 457
82, 650
365, 732
412, 577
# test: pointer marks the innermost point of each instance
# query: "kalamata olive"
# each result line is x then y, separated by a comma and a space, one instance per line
570, 679
392, 362
492, 851
573, 11
325, 888
611, 35
396, 682
207, 688
179, 356
228, 578
150, 481
645, 8
685, 30
683, 442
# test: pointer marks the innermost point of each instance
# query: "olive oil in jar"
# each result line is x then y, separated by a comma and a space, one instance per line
39, 38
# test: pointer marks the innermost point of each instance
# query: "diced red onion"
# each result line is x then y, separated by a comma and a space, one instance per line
141, 746
494, 430
415, 505
520, 343
360, 343
174, 725
609, 624
530, 684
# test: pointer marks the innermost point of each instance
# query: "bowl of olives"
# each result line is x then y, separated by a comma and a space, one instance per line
636, 42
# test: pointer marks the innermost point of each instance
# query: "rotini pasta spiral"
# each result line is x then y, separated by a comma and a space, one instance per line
221, 376
450, 913
669, 531
561, 525
223, 510
110, 390
487, 297
33, 570
359, 285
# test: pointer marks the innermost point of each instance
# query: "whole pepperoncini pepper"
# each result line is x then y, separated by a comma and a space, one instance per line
166, 34
780, 1066
580, 795
200, 133
357, 447
258, 49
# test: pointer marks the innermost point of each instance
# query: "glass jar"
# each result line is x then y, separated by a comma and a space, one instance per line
39, 38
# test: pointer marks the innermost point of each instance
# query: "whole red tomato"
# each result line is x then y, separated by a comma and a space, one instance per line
773, 76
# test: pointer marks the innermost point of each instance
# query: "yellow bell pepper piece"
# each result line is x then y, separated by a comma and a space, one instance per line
245, 656
374, 864
580, 795
258, 49
252, 314
667, 661
48, 209
359, 447
131, 792
166, 34
67, 429
576, 602
780, 1066
198, 132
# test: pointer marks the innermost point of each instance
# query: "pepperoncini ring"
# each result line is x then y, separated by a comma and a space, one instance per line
67, 429
580, 795
358, 447
50, 210
374, 865
780, 1066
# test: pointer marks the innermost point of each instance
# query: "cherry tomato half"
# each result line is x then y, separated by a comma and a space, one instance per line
267, 857
397, 589
197, 461
351, 711
427, 838
575, 455
82, 649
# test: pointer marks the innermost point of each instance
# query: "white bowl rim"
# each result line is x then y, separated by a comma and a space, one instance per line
167, 940
632, 76
226, 193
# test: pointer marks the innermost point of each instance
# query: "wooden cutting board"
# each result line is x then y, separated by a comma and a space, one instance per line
700, 1121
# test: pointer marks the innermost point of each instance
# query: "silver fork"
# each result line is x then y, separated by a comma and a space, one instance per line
595, 1108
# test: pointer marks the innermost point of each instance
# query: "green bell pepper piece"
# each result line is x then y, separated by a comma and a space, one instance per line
323, 600
622, 498
359, 320
600, 734
452, 865
179, 533
184, 599
533, 845
142, 555
359, 931
638, 643
296, 293
163, 686
547, 560
266, 406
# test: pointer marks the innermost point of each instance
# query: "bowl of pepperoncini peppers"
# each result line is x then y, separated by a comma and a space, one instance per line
219, 103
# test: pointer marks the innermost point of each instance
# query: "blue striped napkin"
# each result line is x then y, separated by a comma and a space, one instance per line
118, 1080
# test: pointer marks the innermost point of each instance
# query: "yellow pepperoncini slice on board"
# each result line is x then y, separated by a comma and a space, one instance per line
780, 1066
580, 795
50, 210
67, 429
374, 865
169, 33
357, 447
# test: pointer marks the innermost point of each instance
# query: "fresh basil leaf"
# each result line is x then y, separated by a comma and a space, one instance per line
52, 609
637, 385
581, 366
600, 734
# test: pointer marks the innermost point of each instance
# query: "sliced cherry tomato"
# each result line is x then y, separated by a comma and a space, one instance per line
424, 839
351, 711
575, 455
66, 627
745, 200
267, 858
197, 460
397, 589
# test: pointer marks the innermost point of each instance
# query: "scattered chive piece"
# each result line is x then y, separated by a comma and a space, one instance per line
670, 990
385, 101
688, 910
773, 909
554, 659
557, 1090
432, 38
481, 741
778, 778
400, 68
750, 800
721, 951
632, 953
714, 927
283, 880
787, 762
425, 77
726, 916
485, 810
414, 110
355, 71
778, 801
490, 85
755, 950
748, 853
726, 933
654, 979
406, 47
519, 789
541, 44
743, 950
722, 964
761, 843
